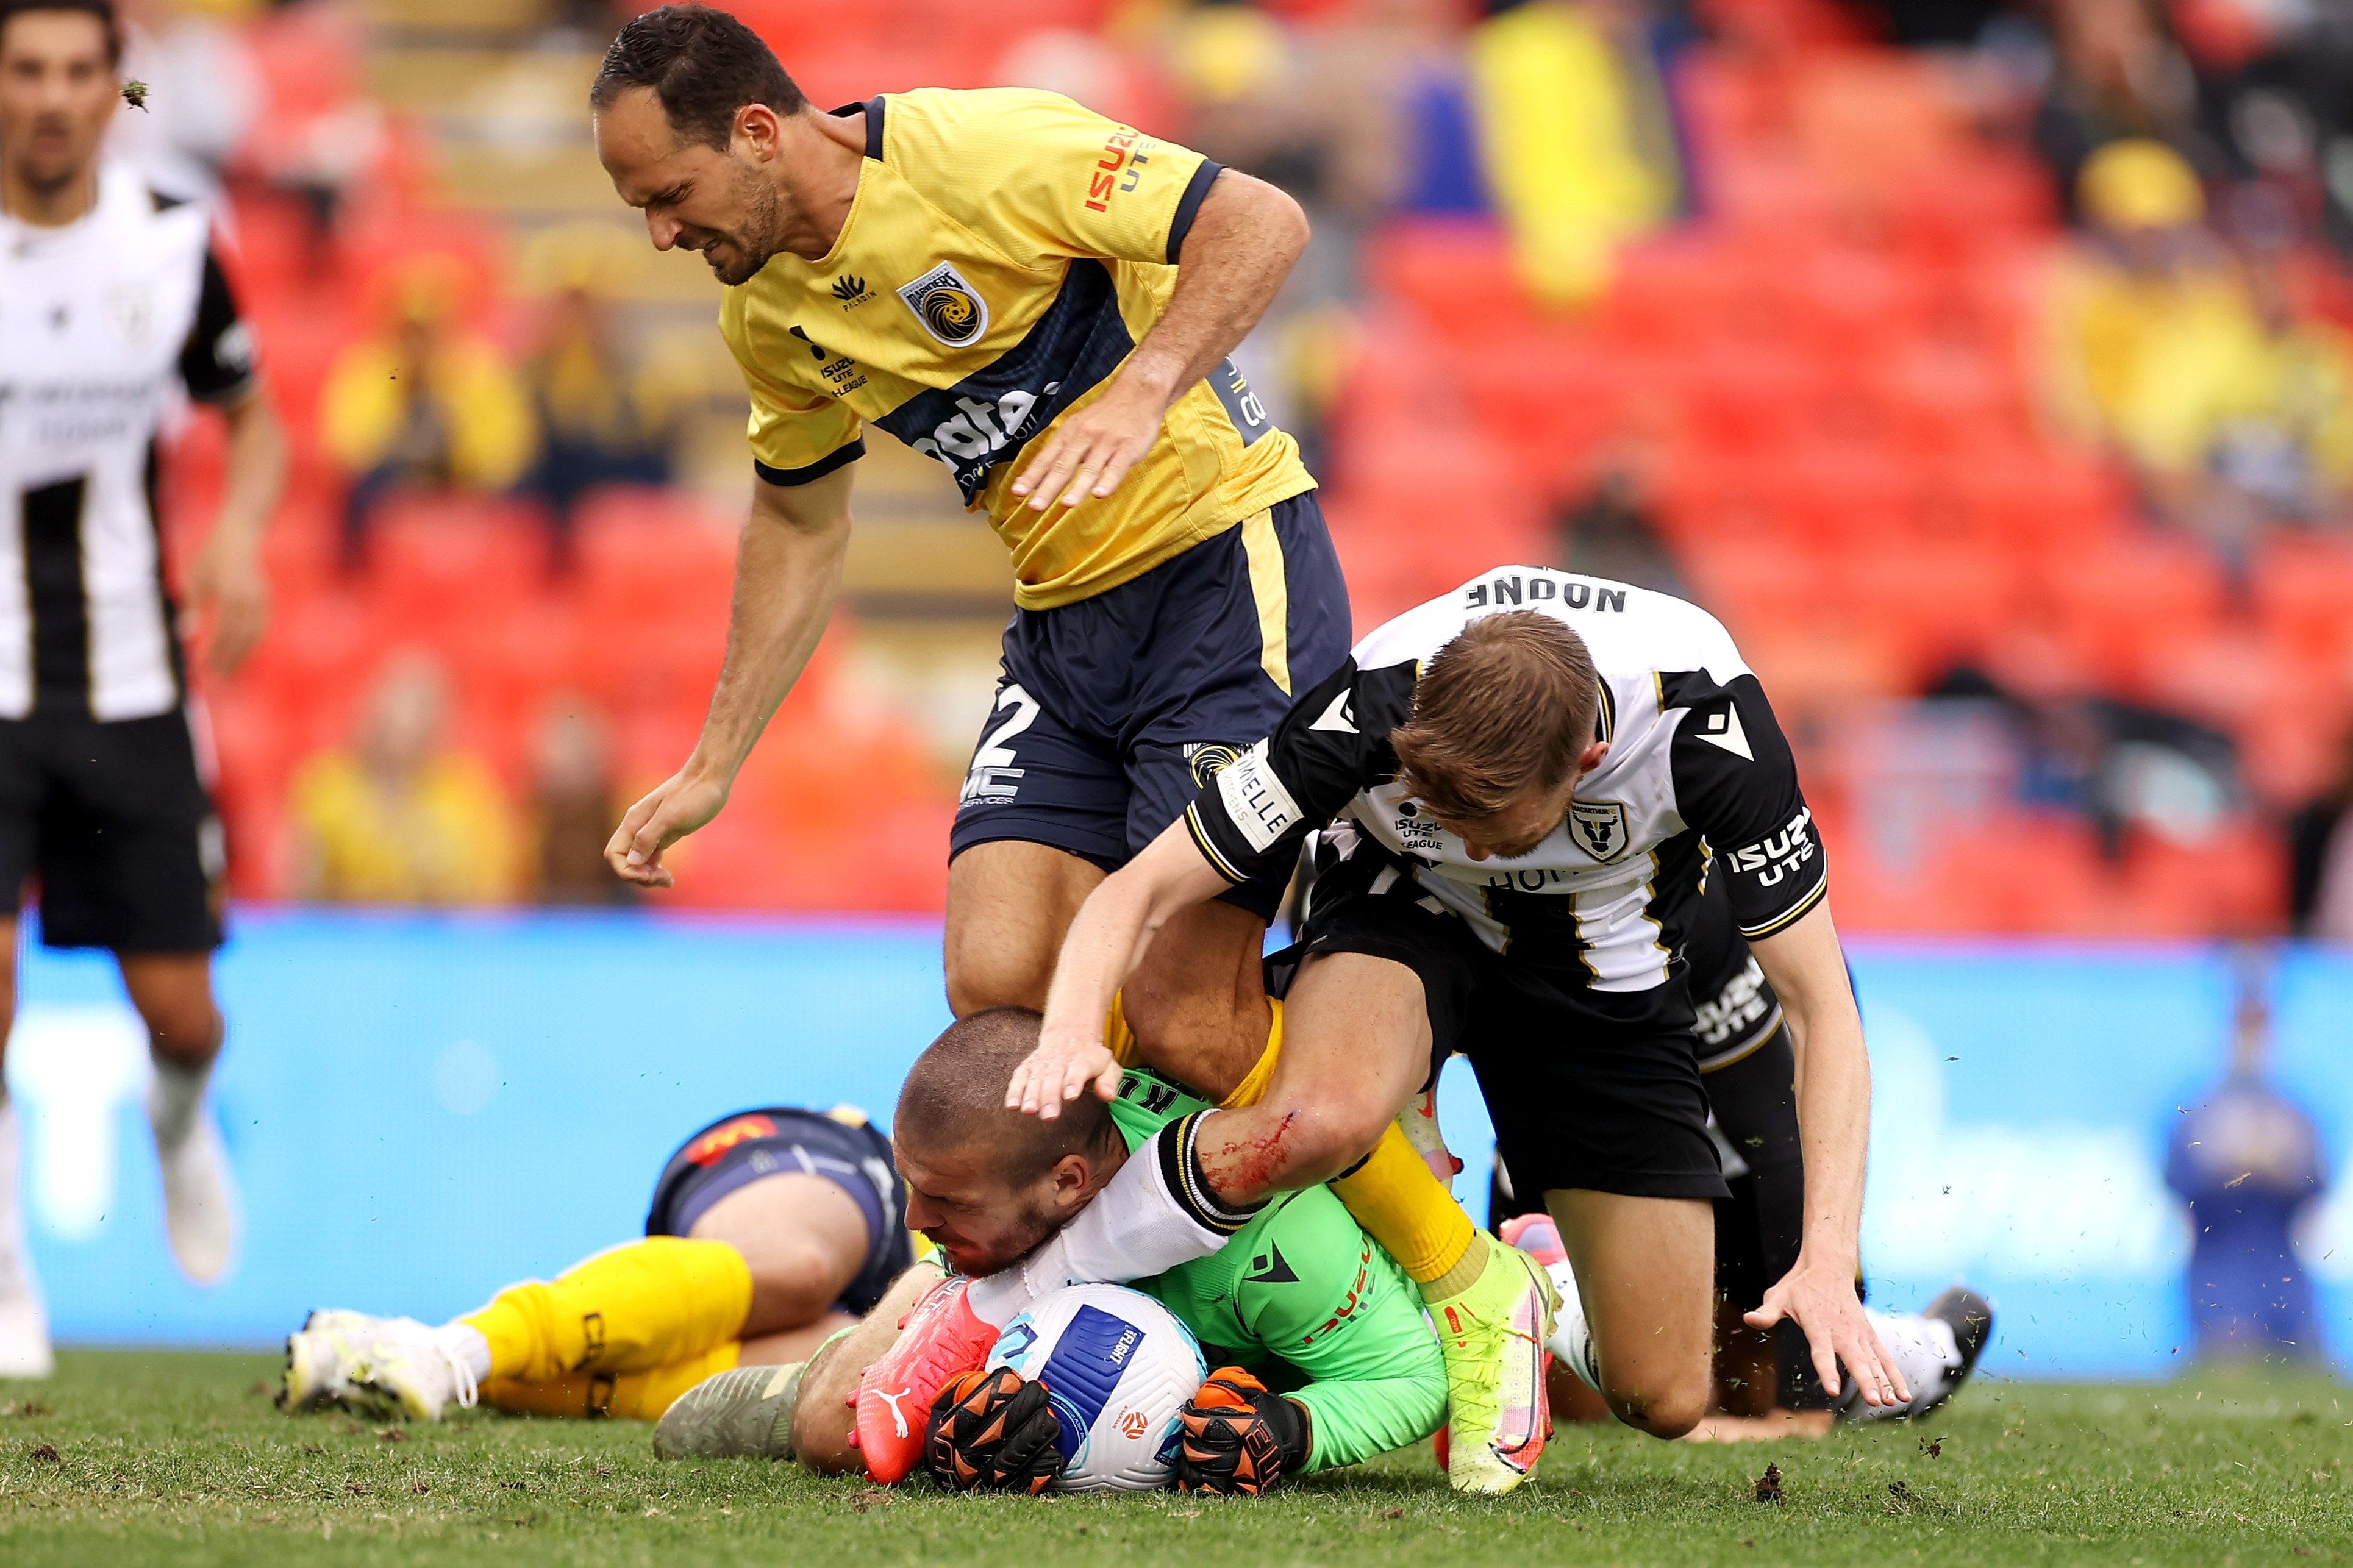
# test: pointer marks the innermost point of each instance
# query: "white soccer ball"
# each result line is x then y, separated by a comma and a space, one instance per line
1119, 1367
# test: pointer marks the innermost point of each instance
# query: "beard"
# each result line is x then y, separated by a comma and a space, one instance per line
757, 237
1035, 1223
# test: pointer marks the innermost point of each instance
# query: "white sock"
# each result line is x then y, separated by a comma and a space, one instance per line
16, 1268
174, 1098
467, 1347
1923, 1348
1572, 1337
1149, 1218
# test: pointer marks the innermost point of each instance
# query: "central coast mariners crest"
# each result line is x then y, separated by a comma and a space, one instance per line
1598, 828
1207, 760
950, 308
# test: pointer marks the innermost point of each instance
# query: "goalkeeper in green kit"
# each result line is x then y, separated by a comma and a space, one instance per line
1322, 1355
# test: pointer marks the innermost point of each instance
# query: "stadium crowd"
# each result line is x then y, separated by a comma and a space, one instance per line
1983, 365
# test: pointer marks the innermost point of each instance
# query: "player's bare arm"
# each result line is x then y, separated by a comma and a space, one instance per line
1240, 248
787, 571
226, 583
1113, 931
1806, 970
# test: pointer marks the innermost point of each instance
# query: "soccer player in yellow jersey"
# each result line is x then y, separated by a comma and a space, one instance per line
1043, 301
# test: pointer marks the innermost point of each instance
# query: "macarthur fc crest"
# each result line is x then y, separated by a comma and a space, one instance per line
1598, 828
950, 308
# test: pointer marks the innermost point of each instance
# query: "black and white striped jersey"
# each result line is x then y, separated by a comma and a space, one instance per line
105, 325
1698, 781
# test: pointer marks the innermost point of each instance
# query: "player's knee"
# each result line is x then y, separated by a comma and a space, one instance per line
790, 1286
980, 979
1664, 1407
187, 1030
1282, 1146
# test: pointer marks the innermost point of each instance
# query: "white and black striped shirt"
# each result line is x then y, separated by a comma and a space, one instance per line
1698, 781
105, 324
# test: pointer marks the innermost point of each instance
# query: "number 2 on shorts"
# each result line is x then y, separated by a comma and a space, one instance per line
993, 771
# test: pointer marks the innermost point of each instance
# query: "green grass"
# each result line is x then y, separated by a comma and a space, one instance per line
130, 1458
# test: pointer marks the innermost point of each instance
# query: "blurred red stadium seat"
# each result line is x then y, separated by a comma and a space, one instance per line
2303, 589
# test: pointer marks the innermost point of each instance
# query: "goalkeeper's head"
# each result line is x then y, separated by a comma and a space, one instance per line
984, 1183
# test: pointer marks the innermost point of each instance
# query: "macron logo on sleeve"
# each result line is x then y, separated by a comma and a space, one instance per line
1724, 730
1338, 718
1255, 800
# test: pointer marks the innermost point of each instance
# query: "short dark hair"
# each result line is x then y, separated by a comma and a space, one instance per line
101, 9
955, 1099
1509, 702
703, 64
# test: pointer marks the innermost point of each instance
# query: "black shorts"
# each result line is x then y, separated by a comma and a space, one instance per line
1587, 1089
114, 819
1111, 712
736, 1151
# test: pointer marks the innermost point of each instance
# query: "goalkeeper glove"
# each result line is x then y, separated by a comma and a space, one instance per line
993, 1431
1239, 1438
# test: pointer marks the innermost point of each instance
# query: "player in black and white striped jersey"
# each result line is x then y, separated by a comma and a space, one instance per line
113, 312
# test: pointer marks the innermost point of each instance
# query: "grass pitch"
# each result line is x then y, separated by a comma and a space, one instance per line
130, 1458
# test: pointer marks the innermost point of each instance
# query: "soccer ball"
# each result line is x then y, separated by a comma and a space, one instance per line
1119, 1366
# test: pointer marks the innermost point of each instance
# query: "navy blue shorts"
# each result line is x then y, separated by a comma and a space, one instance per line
736, 1151
1110, 714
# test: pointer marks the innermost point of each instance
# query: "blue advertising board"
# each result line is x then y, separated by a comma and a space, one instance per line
421, 1107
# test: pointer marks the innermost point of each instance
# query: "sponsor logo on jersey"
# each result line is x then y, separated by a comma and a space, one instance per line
1121, 151
234, 348
1255, 800
851, 291
1516, 591
950, 308
1357, 1293
1770, 859
985, 418
1207, 760
130, 311
1250, 418
1150, 1093
1742, 1002
1598, 828
707, 1148
841, 371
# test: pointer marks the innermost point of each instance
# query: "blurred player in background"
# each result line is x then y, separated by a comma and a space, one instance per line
1044, 300
112, 308
1320, 1351
770, 1230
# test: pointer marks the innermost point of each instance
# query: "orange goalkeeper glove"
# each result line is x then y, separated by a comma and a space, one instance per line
1239, 1437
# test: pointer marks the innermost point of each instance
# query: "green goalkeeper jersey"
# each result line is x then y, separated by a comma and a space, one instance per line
1304, 1298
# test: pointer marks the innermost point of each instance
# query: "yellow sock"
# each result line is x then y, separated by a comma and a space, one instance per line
623, 1396
1394, 1195
646, 1305
1401, 1206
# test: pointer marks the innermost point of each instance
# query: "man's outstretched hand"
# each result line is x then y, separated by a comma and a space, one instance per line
1090, 452
677, 806
1822, 1300
1060, 1069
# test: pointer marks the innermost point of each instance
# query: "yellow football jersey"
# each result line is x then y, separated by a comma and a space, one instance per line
1005, 251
